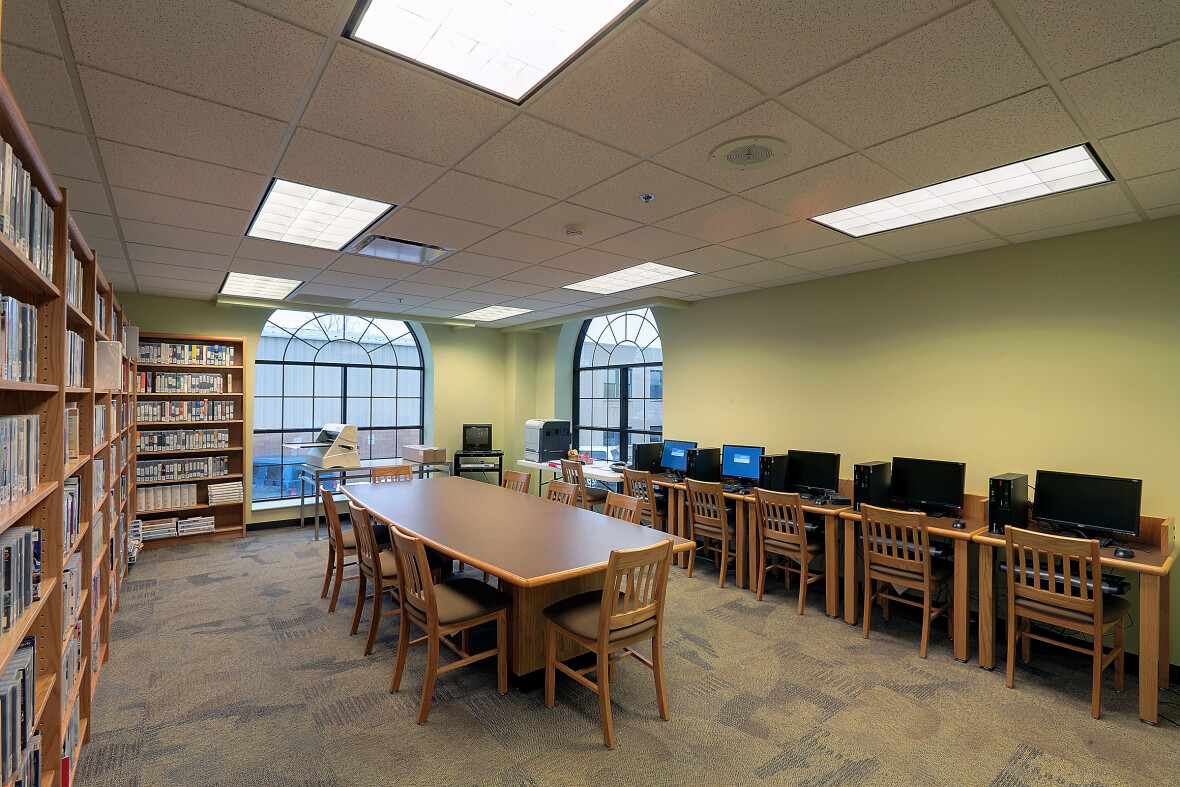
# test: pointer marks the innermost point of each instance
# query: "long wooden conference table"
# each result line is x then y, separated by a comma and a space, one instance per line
541, 551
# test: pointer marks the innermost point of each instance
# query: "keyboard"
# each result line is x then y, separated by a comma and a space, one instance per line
1112, 584
733, 489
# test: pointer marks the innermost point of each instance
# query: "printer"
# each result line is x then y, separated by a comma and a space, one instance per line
546, 439
333, 447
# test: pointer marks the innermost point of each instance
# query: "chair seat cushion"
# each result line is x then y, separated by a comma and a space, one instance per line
464, 598
388, 564
579, 615
596, 494
348, 539
1113, 610
815, 543
940, 571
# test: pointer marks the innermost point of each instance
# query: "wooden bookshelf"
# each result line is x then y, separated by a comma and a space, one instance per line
229, 518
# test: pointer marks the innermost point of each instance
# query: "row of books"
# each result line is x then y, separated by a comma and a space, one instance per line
18, 340
74, 279
182, 382
100, 424
72, 584
96, 540
158, 528
185, 353
25, 217
75, 360
18, 710
181, 440
152, 498
180, 469
101, 482
226, 492
185, 410
100, 313
20, 457
20, 561
73, 424
70, 740
71, 512
195, 525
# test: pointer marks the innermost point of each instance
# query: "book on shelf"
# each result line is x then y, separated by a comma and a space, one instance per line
186, 353
73, 421
150, 470
183, 382
98, 485
195, 525
16, 574
75, 360
152, 498
18, 341
152, 529
108, 366
36, 564
25, 217
100, 313
100, 424
96, 541
182, 440
71, 586
18, 691
225, 492
187, 410
74, 279
134, 539
20, 456
71, 512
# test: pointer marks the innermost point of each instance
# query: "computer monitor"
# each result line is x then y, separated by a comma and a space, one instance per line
1094, 504
928, 484
675, 455
740, 461
813, 471
477, 437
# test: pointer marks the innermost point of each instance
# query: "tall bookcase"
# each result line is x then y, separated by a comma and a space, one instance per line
81, 565
173, 425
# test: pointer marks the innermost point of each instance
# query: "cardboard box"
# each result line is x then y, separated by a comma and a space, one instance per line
424, 453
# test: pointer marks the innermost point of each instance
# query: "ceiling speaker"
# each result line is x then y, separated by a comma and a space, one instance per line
749, 153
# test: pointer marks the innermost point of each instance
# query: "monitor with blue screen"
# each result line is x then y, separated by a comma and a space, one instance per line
740, 461
675, 456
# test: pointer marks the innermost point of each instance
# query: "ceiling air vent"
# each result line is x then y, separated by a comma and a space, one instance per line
749, 153
398, 250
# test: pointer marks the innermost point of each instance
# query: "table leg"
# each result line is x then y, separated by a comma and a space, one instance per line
1150, 645
751, 546
850, 571
739, 574
987, 607
675, 522
832, 564
962, 601
1165, 630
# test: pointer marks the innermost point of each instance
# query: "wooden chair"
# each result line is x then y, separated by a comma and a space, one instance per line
517, 481
622, 507
896, 548
393, 473
709, 521
441, 610
341, 547
637, 483
561, 492
628, 610
780, 531
1075, 601
588, 497
376, 566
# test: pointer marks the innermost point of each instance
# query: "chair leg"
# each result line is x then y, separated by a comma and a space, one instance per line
692, 559
1118, 660
761, 557
724, 565
868, 611
1026, 644
925, 624
465, 641
360, 604
1096, 679
331, 565
1010, 675
431, 672
378, 592
608, 727
550, 657
657, 661
403, 645
339, 581
803, 583
502, 656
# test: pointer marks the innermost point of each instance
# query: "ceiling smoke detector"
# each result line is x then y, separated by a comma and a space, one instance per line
574, 230
749, 153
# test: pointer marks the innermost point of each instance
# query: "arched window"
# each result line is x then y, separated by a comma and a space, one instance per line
316, 369
618, 384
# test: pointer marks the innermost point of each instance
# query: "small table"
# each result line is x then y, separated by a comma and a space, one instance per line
316, 475
596, 471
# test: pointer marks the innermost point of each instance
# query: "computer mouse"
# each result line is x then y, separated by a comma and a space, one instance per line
958, 524
1123, 552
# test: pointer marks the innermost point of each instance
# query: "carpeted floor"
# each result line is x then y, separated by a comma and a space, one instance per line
227, 670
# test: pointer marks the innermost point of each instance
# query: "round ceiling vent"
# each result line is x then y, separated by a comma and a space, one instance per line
749, 153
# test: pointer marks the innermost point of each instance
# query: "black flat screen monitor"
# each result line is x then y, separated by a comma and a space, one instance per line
809, 471
740, 461
477, 437
928, 483
1091, 503
675, 456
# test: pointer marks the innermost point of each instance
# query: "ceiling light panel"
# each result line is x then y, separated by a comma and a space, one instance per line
491, 313
629, 278
1052, 173
309, 216
250, 286
506, 47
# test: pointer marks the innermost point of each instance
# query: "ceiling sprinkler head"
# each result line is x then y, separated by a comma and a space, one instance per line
574, 230
647, 199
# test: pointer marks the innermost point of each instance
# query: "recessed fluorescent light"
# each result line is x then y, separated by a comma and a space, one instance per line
251, 286
308, 216
490, 313
1065, 170
400, 250
629, 278
506, 47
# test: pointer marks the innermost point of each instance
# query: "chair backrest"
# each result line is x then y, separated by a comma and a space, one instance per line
636, 580
366, 541
415, 583
1036, 561
637, 483
622, 507
393, 473
780, 516
706, 504
897, 539
561, 492
330, 514
516, 481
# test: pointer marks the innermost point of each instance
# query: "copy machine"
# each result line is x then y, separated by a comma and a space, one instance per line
545, 440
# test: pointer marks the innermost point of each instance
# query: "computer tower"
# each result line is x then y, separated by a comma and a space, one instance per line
1007, 501
704, 464
870, 484
772, 472
647, 456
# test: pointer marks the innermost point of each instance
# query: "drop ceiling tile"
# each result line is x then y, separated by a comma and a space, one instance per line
105, 247
67, 154
561, 311
760, 272
723, 220
332, 291
277, 269
115, 264
289, 253
521, 248
475, 199
29, 25
558, 295
962, 61
178, 237
380, 101
791, 239
351, 168
42, 88
443, 278
697, 285
478, 264
142, 206
161, 173
85, 195
406, 287
455, 305
370, 266
432, 229
1164, 212
1021, 127
528, 303
318, 15
940, 234
179, 273
949, 251
838, 184
797, 279
354, 280
588, 263
744, 288
649, 243
153, 285
1070, 229
604, 303
641, 92
262, 64
539, 157
747, 37
710, 259
512, 289
169, 256
391, 302
122, 282
829, 258
1055, 210
542, 275
1157, 191
428, 311
674, 193
136, 113
596, 226
1074, 37
1145, 151
481, 297
1129, 94
888, 262
95, 225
